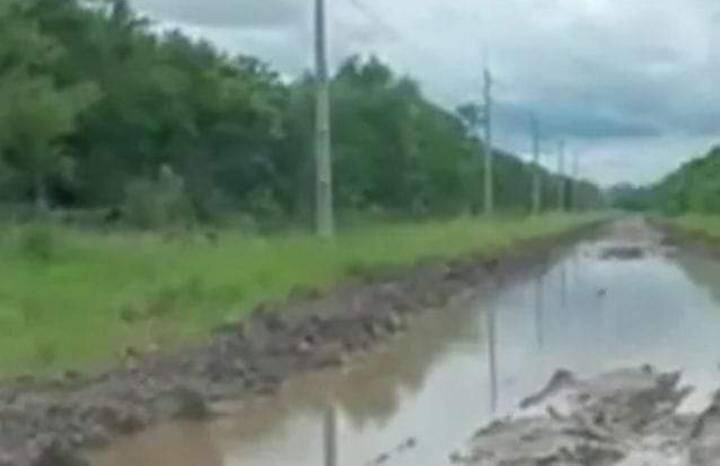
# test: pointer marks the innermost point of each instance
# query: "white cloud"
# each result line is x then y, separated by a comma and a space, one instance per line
227, 13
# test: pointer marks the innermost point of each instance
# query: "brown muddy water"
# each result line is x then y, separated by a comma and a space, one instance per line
419, 399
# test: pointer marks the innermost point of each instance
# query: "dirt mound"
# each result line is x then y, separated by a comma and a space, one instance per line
622, 253
628, 417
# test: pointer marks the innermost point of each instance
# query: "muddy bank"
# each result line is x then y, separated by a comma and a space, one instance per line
50, 422
694, 241
628, 417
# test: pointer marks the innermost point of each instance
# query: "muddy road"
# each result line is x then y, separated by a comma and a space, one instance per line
621, 299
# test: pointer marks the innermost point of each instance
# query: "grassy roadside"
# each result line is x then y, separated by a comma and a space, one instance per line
66, 297
707, 226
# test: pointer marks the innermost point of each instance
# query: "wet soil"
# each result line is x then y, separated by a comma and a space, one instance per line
626, 417
53, 422
695, 242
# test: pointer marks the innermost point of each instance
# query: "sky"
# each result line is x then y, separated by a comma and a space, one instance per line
631, 85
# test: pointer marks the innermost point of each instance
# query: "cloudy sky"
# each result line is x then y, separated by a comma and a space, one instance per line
633, 85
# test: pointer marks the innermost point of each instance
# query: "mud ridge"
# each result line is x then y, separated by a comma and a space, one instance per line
627, 417
696, 242
53, 422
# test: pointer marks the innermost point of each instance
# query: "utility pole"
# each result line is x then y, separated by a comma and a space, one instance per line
323, 151
561, 175
536, 188
489, 181
576, 182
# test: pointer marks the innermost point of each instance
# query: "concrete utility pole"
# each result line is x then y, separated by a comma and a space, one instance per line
536, 188
489, 179
323, 151
561, 175
575, 182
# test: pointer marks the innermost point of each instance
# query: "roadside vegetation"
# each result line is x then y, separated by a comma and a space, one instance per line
72, 298
689, 197
707, 226
693, 189
153, 187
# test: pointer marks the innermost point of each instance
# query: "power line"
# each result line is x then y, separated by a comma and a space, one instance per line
376, 18
372, 15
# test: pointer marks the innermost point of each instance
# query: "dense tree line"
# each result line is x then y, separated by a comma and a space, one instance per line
693, 188
96, 110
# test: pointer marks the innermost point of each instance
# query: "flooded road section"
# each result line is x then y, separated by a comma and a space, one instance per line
616, 301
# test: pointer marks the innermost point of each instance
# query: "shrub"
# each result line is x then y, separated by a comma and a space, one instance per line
158, 204
38, 242
261, 205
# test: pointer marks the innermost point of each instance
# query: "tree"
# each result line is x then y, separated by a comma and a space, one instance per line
34, 113
88, 88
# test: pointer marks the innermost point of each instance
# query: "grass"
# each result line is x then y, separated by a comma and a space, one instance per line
707, 225
72, 298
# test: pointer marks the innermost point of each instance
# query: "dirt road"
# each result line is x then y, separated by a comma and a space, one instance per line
627, 417
52, 422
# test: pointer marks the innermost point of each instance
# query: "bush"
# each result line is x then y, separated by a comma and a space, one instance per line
38, 242
261, 205
158, 204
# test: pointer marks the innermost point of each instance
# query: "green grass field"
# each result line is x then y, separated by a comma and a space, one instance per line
65, 295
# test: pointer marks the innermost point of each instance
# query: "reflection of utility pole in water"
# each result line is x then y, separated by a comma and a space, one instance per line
563, 286
539, 309
330, 434
576, 268
492, 354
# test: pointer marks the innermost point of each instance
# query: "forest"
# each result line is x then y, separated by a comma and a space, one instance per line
694, 188
101, 116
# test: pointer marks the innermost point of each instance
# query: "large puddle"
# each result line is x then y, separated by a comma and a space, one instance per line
421, 398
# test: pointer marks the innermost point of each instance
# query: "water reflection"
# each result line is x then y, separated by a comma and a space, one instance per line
563, 286
330, 434
575, 260
181, 444
492, 358
704, 273
538, 306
